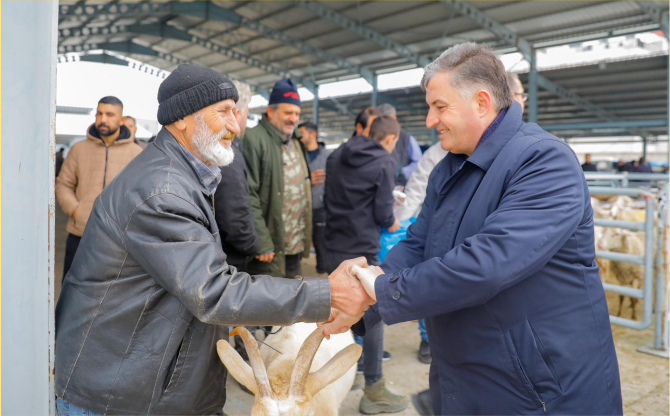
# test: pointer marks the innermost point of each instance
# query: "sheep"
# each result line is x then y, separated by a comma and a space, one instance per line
626, 274
283, 384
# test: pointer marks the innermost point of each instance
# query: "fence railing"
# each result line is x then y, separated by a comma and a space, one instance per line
623, 179
653, 306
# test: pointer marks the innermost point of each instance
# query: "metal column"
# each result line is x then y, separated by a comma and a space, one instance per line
315, 109
532, 87
644, 147
375, 91
29, 46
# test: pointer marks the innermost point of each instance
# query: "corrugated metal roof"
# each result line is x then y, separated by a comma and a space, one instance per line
426, 28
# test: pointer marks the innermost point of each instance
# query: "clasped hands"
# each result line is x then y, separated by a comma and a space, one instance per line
348, 298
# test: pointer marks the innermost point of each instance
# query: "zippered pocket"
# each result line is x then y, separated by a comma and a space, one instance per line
532, 369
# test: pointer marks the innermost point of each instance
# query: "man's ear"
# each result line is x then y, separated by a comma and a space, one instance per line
123, 120
389, 139
180, 124
484, 102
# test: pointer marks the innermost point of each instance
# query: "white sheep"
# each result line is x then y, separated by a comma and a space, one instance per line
626, 274
283, 384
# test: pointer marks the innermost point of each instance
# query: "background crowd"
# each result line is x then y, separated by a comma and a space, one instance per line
283, 194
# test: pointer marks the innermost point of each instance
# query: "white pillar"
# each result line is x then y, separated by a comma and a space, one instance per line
29, 43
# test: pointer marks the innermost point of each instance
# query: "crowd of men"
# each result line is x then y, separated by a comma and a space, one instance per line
188, 236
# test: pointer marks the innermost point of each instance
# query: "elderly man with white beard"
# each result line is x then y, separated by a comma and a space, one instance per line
150, 292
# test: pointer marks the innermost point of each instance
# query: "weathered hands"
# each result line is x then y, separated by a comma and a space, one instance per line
346, 291
267, 257
338, 322
318, 177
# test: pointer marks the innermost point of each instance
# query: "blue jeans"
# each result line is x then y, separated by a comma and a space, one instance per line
422, 330
64, 408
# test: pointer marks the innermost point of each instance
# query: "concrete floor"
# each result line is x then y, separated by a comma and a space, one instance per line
644, 378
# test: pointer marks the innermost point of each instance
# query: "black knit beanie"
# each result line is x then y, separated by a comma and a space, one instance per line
284, 91
189, 89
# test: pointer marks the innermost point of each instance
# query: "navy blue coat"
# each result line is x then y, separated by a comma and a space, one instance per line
501, 262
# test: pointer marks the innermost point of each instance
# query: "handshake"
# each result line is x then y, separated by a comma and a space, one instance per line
352, 291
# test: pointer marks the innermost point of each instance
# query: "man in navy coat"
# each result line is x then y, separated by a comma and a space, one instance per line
501, 260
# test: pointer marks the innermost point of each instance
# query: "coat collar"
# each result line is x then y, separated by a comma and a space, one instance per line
487, 151
173, 149
276, 134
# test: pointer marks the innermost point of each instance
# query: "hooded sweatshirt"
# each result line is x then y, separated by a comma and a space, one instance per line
360, 176
88, 168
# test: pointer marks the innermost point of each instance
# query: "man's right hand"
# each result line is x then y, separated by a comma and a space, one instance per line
318, 177
346, 291
267, 257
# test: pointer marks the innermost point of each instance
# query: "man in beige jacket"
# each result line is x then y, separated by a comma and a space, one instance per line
90, 166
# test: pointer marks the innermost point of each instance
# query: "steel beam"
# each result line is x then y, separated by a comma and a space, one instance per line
375, 92
124, 47
607, 125
532, 88
505, 34
315, 108
210, 11
655, 13
363, 31
167, 31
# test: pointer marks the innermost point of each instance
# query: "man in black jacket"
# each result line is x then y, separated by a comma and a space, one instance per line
150, 293
317, 155
231, 200
360, 176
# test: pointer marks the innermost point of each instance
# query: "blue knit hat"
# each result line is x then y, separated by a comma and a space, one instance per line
285, 91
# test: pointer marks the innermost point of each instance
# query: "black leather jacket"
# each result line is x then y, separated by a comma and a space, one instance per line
234, 215
149, 294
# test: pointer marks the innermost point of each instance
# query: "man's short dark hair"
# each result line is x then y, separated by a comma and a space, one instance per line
309, 126
382, 126
363, 117
110, 99
132, 118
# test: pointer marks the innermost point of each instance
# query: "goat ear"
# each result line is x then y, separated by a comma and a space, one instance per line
334, 369
236, 366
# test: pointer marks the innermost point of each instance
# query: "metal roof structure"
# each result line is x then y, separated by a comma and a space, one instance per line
261, 42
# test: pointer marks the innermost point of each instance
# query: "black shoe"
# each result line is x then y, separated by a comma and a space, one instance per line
423, 403
386, 356
424, 353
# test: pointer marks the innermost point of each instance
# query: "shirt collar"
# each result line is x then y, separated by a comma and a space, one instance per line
209, 177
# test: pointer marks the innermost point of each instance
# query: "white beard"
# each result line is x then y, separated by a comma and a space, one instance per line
207, 144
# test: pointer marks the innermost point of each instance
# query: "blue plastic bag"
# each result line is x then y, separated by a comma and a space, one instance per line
388, 240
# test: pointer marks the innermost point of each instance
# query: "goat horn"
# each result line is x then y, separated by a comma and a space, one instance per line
255, 360
304, 362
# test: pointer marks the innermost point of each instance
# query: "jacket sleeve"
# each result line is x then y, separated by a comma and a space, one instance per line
252, 158
233, 208
383, 203
167, 237
66, 184
414, 152
539, 210
415, 190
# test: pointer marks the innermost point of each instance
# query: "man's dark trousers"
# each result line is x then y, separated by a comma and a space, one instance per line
293, 267
319, 238
373, 340
71, 246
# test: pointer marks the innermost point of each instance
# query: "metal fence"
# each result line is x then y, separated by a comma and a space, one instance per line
626, 179
654, 298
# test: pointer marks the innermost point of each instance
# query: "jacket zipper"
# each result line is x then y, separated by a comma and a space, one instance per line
104, 178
